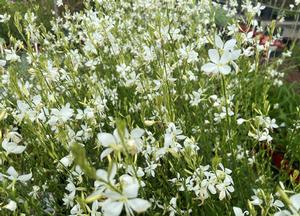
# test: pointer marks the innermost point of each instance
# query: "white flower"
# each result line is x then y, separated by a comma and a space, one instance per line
283, 213
228, 48
2, 63
294, 207
12, 205
256, 200
240, 121
10, 143
149, 54
253, 10
4, 18
238, 212
295, 200
51, 73
59, 3
60, 116
218, 65
270, 123
14, 175
225, 187
94, 211
196, 97
67, 160
12, 56
261, 136
12, 147
113, 141
150, 169
76, 210
188, 53
115, 201
172, 207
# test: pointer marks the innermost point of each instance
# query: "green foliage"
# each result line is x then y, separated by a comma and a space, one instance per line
43, 9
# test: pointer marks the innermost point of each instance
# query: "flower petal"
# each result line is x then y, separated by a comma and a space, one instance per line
102, 174
24, 178
234, 55
168, 140
106, 139
218, 41
112, 208
106, 152
139, 205
12, 172
226, 57
11, 147
12, 205
283, 213
2, 63
229, 45
209, 68
214, 55
130, 186
237, 211
225, 69
137, 133
295, 199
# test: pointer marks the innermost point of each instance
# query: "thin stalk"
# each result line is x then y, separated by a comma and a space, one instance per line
226, 107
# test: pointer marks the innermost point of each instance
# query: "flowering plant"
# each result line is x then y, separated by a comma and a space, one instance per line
144, 107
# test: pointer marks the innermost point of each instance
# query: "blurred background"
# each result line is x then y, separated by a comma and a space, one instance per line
44, 10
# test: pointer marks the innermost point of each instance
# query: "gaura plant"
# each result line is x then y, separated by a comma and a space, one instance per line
146, 107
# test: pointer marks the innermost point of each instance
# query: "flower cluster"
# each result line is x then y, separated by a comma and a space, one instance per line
144, 107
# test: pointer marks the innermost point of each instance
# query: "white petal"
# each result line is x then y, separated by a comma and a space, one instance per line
283, 213
218, 41
237, 211
102, 174
67, 160
18, 149
214, 55
2, 63
230, 189
12, 172
222, 195
25, 178
295, 199
137, 133
229, 45
139, 205
235, 54
112, 208
225, 69
168, 140
212, 189
117, 135
11, 147
106, 139
278, 203
226, 57
112, 195
131, 190
12, 205
209, 68
106, 152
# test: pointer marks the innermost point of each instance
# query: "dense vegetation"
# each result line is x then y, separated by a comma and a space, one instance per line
147, 107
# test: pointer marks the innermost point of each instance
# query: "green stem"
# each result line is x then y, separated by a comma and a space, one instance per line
226, 107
